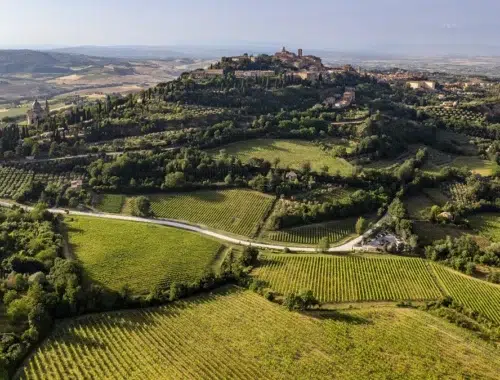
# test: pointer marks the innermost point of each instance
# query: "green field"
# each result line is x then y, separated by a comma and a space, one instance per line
292, 153
14, 111
475, 164
240, 335
487, 225
115, 253
336, 231
436, 196
236, 211
429, 232
475, 294
112, 203
349, 279
418, 205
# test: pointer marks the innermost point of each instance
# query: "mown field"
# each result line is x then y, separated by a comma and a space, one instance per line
476, 294
292, 153
487, 225
336, 231
112, 203
349, 279
236, 211
239, 335
115, 253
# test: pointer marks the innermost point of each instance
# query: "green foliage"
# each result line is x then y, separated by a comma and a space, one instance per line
361, 225
140, 206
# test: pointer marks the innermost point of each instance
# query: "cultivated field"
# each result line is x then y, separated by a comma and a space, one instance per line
115, 253
240, 335
112, 203
236, 211
292, 153
311, 234
350, 279
476, 294
487, 225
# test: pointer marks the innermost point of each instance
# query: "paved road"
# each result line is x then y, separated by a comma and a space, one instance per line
349, 246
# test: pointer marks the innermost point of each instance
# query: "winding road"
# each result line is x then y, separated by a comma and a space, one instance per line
351, 245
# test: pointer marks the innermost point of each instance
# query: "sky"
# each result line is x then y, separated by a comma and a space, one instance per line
318, 24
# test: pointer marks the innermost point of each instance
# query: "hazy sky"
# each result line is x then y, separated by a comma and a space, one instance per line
332, 24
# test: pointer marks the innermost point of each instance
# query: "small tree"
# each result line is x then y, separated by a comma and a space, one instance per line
276, 162
306, 167
249, 256
361, 225
141, 207
324, 244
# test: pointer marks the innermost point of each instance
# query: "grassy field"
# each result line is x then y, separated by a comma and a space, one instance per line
436, 196
349, 279
487, 225
117, 253
240, 335
475, 164
429, 232
14, 111
112, 203
292, 153
236, 211
336, 231
418, 205
476, 294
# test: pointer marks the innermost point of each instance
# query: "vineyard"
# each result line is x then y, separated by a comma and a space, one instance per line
475, 294
111, 203
12, 179
453, 114
350, 279
487, 225
236, 211
336, 231
239, 335
116, 253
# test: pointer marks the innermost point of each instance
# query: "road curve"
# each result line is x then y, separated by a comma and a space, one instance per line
349, 246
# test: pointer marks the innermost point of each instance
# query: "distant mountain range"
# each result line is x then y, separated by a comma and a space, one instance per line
209, 52
48, 62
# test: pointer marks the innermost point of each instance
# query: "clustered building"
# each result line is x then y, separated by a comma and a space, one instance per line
422, 85
307, 67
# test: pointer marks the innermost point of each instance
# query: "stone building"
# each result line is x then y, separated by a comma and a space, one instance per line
37, 113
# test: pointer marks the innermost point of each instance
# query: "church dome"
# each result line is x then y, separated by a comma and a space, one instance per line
36, 106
